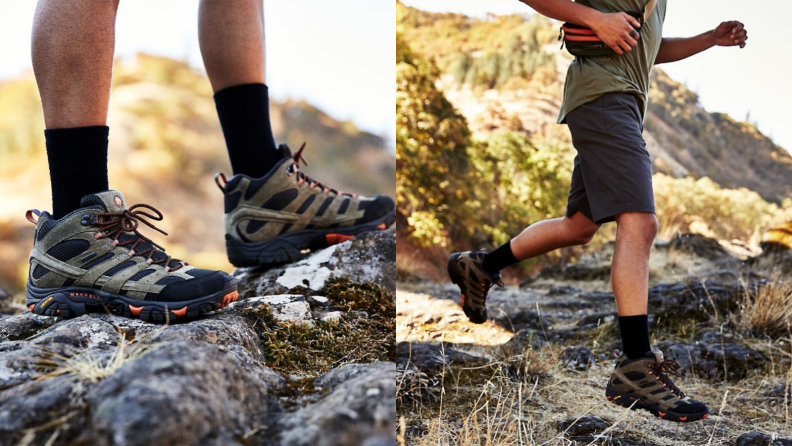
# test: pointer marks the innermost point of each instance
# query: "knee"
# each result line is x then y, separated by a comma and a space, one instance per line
581, 235
585, 236
641, 225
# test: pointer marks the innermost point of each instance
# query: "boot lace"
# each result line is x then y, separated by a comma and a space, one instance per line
294, 169
662, 370
116, 224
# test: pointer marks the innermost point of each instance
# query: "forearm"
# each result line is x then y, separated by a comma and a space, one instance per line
564, 11
674, 49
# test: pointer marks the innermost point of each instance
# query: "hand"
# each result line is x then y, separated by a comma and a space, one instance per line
617, 30
730, 33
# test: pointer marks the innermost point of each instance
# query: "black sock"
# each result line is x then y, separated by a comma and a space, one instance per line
244, 117
500, 258
635, 335
77, 163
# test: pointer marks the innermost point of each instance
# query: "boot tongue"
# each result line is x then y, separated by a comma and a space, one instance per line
655, 355
111, 201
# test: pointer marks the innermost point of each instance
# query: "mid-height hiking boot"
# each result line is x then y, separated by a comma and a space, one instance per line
466, 270
95, 260
644, 383
272, 219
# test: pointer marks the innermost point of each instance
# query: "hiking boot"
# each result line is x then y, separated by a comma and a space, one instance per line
95, 260
644, 383
466, 270
270, 220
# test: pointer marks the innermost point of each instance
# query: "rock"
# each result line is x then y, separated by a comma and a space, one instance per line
289, 308
698, 245
587, 430
370, 257
22, 326
682, 302
357, 410
35, 403
577, 358
154, 399
427, 356
588, 425
760, 439
712, 357
524, 319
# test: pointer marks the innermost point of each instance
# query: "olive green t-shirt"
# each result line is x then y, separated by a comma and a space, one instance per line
589, 78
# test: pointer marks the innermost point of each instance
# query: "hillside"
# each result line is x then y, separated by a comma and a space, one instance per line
165, 147
506, 72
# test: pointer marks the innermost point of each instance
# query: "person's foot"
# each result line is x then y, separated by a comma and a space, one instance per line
270, 220
95, 260
467, 272
644, 383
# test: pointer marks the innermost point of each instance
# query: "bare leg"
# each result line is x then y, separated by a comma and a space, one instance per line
231, 35
549, 235
72, 49
630, 269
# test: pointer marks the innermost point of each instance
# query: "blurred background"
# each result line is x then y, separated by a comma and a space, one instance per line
489, 78
330, 77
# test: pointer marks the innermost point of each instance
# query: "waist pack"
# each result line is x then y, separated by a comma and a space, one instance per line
583, 42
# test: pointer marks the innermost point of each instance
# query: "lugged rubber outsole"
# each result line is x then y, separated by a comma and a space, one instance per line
457, 279
633, 402
289, 246
69, 302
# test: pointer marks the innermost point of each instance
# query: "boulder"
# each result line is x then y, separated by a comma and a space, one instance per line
370, 257
695, 301
715, 357
359, 408
181, 392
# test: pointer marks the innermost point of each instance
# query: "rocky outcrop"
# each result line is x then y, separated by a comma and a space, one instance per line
268, 370
760, 439
715, 356
368, 258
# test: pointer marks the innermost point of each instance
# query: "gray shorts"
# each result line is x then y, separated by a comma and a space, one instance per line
613, 170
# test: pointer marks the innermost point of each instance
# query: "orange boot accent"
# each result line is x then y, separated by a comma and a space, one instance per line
334, 239
32, 307
706, 415
382, 225
181, 312
682, 418
662, 414
135, 310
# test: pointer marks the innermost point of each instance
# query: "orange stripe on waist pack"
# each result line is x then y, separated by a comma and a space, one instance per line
578, 30
583, 38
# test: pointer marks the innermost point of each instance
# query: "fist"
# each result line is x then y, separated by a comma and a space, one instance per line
730, 33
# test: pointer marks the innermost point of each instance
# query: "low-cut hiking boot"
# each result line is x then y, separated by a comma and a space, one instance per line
644, 383
271, 220
95, 260
466, 270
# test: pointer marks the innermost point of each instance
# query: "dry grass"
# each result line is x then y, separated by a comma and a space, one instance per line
92, 365
768, 310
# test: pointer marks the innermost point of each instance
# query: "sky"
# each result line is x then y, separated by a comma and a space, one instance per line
753, 80
337, 55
